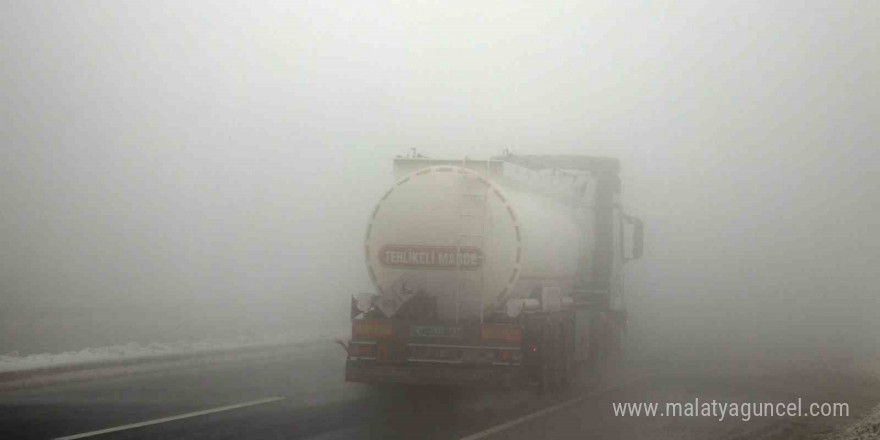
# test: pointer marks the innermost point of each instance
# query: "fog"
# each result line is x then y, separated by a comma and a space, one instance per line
175, 170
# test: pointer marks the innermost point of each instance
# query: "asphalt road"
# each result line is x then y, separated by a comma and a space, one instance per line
298, 392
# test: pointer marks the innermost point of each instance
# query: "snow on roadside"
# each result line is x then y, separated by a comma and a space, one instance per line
866, 428
13, 362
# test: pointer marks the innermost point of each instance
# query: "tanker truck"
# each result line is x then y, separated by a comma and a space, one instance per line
494, 273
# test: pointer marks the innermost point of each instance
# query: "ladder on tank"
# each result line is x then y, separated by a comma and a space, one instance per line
472, 204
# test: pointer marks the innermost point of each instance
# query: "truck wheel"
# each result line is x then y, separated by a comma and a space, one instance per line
612, 357
558, 359
619, 339
549, 378
566, 345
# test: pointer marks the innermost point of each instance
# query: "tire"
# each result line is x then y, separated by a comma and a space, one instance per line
566, 338
618, 351
549, 376
557, 358
613, 353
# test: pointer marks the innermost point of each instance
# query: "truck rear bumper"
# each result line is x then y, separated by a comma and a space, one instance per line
433, 374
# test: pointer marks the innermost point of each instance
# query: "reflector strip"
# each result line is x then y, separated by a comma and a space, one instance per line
486, 347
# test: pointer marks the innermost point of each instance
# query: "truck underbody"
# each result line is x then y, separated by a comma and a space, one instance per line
537, 349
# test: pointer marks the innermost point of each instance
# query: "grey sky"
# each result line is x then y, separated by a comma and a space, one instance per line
217, 155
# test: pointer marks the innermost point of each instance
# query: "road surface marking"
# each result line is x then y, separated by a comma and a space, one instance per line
558, 407
171, 418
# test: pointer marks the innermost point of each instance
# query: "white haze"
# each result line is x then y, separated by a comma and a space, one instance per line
193, 170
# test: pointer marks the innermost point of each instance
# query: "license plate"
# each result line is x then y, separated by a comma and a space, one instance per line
431, 331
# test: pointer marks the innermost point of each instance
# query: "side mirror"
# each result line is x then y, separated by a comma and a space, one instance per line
638, 236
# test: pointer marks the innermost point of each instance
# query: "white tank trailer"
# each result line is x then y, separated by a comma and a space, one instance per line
472, 242
493, 273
